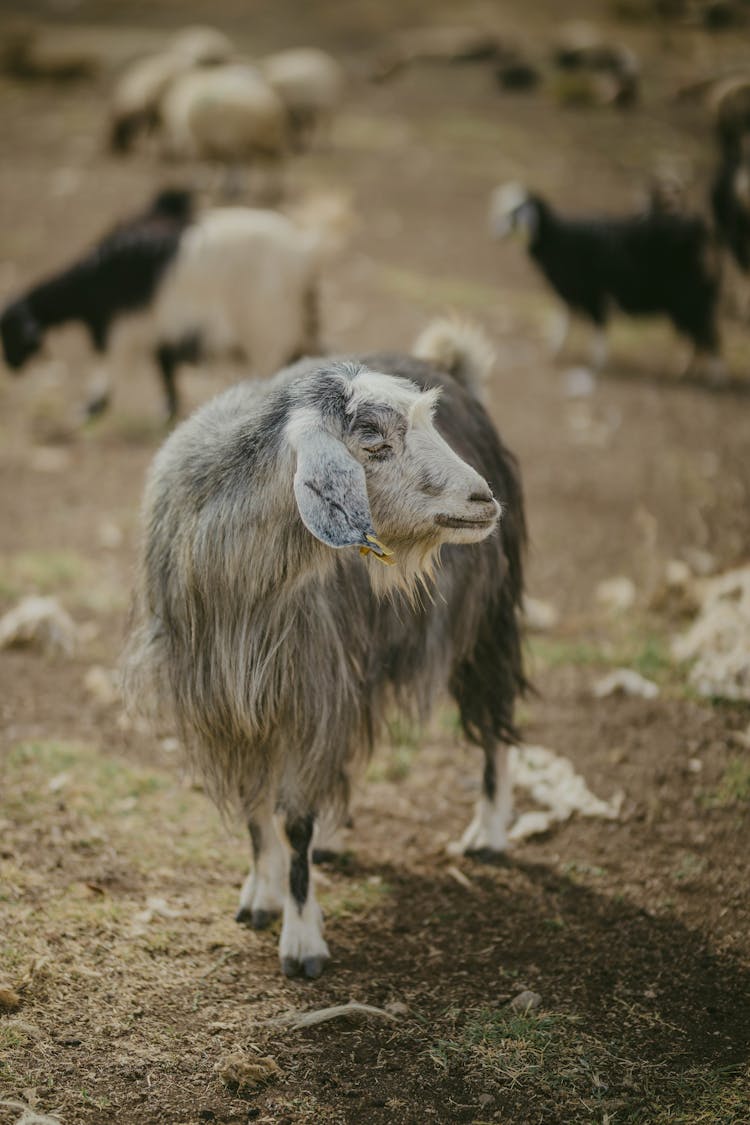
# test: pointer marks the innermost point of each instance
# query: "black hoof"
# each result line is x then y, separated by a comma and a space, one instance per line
489, 856
95, 407
255, 919
312, 967
309, 967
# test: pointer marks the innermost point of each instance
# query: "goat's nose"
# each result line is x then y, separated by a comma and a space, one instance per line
481, 496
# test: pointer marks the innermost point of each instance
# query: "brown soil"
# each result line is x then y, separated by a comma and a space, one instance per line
634, 932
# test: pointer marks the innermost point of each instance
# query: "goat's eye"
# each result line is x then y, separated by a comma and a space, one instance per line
380, 450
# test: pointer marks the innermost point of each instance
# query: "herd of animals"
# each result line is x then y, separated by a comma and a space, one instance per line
288, 590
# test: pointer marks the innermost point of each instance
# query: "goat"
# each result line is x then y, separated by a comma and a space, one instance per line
140, 89
233, 277
268, 625
649, 263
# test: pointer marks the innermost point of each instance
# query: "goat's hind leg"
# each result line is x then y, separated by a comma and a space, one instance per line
262, 894
488, 831
302, 947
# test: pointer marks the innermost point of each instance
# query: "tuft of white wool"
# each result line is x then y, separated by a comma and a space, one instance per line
310, 82
460, 348
717, 641
224, 113
243, 277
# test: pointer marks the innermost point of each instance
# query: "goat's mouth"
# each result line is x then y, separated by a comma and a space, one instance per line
473, 523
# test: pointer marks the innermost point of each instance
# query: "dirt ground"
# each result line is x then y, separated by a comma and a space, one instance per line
118, 881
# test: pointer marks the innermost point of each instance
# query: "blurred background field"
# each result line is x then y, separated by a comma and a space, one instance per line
127, 984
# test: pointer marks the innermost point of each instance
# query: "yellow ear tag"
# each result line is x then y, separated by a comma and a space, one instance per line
382, 553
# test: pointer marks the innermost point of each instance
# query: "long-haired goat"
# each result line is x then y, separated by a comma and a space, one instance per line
645, 264
277, 647
232, 278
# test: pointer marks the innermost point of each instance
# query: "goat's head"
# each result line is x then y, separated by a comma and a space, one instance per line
514, 210
374, 472
21, 334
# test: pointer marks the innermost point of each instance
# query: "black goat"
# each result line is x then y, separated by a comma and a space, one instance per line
645, 264
120, 274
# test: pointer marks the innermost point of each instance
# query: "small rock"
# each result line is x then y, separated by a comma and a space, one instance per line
526, 1001
10, 1001
579, 382
40, 623
701, 562
625, 681
539, 616
100, 683
616, 594
397, 1008
109, 535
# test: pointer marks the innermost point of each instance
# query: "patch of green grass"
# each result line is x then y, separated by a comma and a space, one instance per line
734, 787
652, 659
703, 1096
547, 652
393, 762
354, 897
577, 868
12, 1036
41, 572
128, 801
554, 1067
689, 867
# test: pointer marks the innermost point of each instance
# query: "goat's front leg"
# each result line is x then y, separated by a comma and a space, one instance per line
302, 947
488, 831
262, 894
559, 332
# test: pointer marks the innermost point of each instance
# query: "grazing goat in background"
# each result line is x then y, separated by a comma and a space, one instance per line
266, 620
652, 263
136, 98
730, 203
232, 278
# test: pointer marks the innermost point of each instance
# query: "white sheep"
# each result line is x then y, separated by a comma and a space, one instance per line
310, 83
141, 87
227, 113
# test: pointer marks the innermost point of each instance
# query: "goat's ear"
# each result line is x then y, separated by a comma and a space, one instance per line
331, 491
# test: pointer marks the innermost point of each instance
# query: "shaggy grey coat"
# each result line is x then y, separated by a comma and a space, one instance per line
274, 653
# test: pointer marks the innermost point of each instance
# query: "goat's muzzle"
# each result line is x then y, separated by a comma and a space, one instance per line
482, 513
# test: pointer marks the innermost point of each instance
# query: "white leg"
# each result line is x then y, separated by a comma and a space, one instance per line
558, 336
302, 948
100, 393
599, 349
263, 892
488, 830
